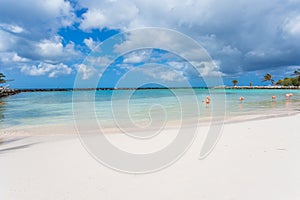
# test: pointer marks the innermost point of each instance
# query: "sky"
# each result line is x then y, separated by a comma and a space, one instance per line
55, 43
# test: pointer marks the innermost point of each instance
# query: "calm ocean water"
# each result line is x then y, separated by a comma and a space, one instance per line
143, 106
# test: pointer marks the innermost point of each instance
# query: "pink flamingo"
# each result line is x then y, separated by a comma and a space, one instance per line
207, 100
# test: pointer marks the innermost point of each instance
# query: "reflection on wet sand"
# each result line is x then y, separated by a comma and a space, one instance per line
1, 110
273, 104
241, 105
287, 103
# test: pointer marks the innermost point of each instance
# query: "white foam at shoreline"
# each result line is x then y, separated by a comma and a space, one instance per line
70, 128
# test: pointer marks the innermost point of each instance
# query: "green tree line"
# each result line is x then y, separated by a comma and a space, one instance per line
290, 81
294, 80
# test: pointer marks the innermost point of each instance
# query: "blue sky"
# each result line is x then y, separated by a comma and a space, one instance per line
46, 44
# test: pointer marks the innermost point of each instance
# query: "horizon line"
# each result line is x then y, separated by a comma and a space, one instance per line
151, 88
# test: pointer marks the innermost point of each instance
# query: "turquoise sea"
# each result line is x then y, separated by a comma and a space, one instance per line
142, 107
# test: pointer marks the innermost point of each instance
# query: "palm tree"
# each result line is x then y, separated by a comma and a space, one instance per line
297, 74
268, 77
235, 82
2, 80
279, 82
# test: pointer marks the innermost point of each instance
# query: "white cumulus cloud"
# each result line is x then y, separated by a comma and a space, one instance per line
292, 26
90, 43
162, 73
50, 70
29, 29
110, 14
85, 71
137, 56
12, 28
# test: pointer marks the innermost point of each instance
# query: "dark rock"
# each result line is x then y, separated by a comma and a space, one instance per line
4, 92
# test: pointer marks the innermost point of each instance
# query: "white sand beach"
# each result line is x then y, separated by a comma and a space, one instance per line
256, 159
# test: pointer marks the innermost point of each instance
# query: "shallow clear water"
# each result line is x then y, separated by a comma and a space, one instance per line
144, 106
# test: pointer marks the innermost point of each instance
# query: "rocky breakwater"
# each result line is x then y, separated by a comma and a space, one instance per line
4, 92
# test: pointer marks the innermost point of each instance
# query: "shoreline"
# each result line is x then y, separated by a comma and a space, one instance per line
69, 128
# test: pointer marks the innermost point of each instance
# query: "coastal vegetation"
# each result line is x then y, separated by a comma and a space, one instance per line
4, 91
2, 78
268, 77
235, 82
297, 74
294, 80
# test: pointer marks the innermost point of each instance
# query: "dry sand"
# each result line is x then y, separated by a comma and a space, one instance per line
252, 160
